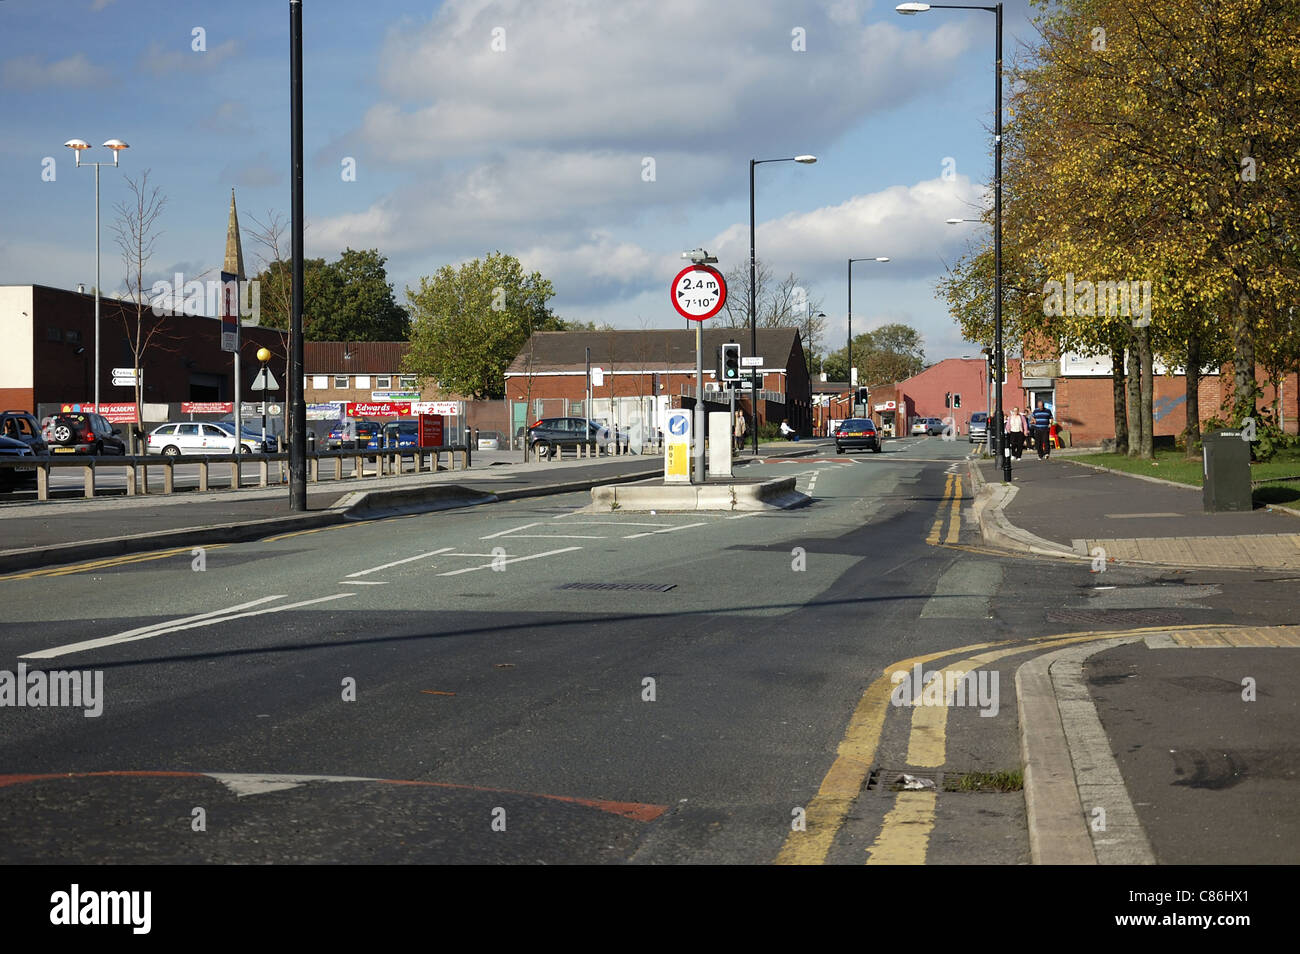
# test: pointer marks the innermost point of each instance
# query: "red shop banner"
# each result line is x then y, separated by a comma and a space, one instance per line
379, 409
207, 407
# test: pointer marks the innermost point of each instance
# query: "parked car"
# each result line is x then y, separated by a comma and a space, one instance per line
79, 433
23, 426
979, 427
857, 432
490, 440
203, 437
252, 438
397, 434
551, 433
12, 478
927, 425
349, 435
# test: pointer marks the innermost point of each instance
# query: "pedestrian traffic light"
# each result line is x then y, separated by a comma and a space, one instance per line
956, 400
729, 365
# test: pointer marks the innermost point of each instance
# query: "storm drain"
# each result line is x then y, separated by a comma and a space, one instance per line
1121, 618
644, 587
887, 781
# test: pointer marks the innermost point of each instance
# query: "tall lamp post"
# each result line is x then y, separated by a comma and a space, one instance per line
78, 146
909, 9
753, 328
881, 258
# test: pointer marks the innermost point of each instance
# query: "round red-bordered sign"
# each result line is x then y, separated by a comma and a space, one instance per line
698, 292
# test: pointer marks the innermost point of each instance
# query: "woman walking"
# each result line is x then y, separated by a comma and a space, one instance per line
1017, 429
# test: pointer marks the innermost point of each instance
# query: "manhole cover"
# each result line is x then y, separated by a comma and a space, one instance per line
647, 587
1121, 618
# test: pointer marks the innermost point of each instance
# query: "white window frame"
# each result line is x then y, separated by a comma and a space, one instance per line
343, 378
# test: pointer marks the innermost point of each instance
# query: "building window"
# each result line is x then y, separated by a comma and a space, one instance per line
383, 383
340, 380
406, 382
320, 382
53, 334
363, 380
72, 337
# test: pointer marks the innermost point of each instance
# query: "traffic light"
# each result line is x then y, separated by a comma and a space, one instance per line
956, 400
729, 367
862, 395
947, 399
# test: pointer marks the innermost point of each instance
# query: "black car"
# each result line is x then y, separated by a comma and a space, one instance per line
14, 477
551, 433
81, 433
23, 426
857, 432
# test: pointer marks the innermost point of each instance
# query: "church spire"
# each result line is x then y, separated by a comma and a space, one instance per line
234, 251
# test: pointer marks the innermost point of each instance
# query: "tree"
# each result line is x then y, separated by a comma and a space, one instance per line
782, 304
349, 299
136, 230
890, 353
470, 323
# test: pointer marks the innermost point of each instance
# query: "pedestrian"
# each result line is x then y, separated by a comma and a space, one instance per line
1016, 428
738, 429
1042, 421
786, 430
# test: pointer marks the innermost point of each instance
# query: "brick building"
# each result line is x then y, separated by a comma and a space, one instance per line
639, 375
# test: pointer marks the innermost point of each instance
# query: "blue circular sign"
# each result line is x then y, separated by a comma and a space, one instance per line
678, 423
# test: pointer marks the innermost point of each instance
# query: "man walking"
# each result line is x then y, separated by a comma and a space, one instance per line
1042, 419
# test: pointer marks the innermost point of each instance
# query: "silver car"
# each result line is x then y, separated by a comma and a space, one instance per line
198, 437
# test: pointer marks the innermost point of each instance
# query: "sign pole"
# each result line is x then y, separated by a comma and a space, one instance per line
698, 477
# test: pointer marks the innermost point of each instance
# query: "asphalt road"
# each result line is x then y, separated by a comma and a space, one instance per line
534, 683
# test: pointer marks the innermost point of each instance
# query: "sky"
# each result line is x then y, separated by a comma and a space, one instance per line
596, 140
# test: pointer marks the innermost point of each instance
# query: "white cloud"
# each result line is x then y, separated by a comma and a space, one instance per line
30, 72
159, 59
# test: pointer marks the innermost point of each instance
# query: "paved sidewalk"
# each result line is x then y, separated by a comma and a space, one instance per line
1054, 507
1135, 754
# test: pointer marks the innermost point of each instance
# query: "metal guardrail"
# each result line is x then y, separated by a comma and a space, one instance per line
584, 449
388, 462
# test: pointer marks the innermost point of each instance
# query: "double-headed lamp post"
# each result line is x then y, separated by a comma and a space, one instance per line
879, 258
78, 146
913, 8
753, 328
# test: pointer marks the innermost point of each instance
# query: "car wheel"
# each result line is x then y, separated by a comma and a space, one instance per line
543, 449
245, 449
171, 450
839, 449
876, 449
62, 434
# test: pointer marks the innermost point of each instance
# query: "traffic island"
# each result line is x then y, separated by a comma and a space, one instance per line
733, 495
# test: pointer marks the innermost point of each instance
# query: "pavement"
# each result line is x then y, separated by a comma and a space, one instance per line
1134, 754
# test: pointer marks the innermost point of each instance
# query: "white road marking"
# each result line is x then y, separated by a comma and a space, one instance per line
616, 523
161, 629
363, 582
249, 784
535, 556
557, 536
385, 566
684, 526
493, 536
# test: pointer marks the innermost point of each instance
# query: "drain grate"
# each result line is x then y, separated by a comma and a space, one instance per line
644, 587
1118, 617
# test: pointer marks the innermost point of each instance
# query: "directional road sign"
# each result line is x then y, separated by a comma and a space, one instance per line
699, 292
265, 381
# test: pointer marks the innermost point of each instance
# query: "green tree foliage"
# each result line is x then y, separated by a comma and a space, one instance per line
349, 299
470, 323
891, 353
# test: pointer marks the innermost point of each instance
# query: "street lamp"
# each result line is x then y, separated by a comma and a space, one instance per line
77, 146
263, 355
909, 9
853, 382
753, 328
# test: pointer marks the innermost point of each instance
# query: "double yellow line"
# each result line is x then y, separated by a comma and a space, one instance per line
108, 563
951, 492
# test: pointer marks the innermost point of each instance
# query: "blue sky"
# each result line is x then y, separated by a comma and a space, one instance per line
537, 148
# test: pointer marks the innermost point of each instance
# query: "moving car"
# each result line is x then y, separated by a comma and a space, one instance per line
550, 434
979, 427
78, 433
15, 477
857, 432
23, 426
927, 425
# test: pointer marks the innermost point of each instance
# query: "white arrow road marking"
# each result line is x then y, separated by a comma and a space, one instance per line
385, 566
186, 622
685, 526
493, 536
251, 784
535, 556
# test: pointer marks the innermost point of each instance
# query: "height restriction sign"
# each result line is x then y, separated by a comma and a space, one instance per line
699, 292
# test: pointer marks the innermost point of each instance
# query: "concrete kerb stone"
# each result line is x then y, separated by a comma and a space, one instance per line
776, 494
990, 500
1067, 761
